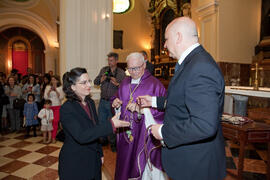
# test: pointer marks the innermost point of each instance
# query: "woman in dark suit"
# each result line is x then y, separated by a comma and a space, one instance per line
81, 155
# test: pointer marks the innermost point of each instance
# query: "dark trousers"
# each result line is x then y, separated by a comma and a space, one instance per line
14, 118
28, 128
105, 114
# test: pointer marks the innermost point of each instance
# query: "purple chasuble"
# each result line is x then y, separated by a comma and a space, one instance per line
132, 156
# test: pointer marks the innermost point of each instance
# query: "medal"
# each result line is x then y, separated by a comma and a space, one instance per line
129, 134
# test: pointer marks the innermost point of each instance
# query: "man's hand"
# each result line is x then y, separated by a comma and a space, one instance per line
114, 81
103, 77
134, 107
145, 101
119, 123
131, 107
154, 131
116, 103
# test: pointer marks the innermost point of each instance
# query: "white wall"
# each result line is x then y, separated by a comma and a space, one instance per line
239, 29
137, 30
229, 29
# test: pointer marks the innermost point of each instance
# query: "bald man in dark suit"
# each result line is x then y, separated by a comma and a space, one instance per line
192, 133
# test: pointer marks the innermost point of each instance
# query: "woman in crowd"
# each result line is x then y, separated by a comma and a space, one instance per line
31, 87
54, 92
81, 155
13, 91
45, 81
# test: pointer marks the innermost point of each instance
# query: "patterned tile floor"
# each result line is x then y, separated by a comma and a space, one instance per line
30, 159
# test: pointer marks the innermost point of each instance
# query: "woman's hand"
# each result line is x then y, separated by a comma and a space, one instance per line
119, 123
116, 103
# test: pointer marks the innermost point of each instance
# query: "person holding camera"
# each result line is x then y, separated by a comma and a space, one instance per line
55, 93
109, 79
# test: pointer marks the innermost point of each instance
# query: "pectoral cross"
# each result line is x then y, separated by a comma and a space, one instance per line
130, 99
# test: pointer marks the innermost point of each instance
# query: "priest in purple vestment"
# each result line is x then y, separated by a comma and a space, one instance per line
138, 152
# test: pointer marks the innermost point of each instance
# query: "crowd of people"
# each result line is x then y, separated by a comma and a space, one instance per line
22, 102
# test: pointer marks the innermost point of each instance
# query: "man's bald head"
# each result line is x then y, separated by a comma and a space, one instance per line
186, 26
180, 34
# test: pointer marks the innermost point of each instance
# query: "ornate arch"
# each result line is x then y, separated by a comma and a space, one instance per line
11, 17
14, 17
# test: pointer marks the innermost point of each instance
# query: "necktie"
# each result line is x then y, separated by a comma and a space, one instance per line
176, 66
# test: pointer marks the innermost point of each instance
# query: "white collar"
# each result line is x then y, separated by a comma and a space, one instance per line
186, 52
135, 81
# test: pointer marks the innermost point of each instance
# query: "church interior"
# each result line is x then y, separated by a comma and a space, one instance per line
53, 36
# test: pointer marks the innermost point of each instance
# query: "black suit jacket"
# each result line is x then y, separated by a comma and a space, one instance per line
80, 156
192, 129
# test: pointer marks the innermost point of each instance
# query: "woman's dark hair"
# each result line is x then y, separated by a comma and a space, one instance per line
48, 77
29, 96
69, 79
57, 78
15, 83
32, 75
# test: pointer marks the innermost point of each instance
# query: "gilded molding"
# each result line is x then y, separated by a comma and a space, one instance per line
157, 6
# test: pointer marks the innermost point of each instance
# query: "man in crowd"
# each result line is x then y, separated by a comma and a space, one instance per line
149, 66
109, 78
192, 134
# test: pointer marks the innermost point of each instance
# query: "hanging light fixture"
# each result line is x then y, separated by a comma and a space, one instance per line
121, 6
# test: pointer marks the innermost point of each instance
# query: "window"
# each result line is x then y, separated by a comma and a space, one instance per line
117, 39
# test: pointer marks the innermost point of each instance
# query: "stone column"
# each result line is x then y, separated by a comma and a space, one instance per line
85, 34
51, 58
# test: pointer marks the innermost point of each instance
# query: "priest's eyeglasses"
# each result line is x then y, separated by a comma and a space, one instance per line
85, 82
135, 68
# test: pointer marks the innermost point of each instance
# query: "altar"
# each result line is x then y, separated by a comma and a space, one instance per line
248, 91
236, 98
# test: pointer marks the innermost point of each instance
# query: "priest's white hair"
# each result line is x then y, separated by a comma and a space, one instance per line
135, 55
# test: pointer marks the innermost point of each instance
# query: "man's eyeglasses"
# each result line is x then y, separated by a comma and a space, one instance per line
85, 82
135, 68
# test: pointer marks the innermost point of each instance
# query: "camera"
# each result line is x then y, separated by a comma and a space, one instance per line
108, 75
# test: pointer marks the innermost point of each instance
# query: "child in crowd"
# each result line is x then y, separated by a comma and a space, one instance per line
30, 113
46, 116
